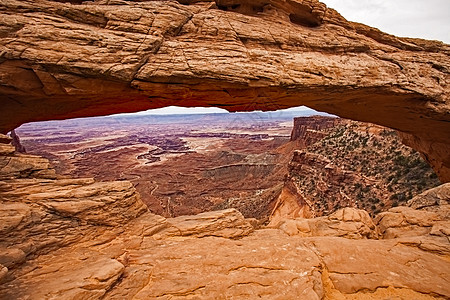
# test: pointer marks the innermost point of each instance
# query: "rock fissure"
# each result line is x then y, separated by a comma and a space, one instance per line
111, 287
255, 267
350, 273
250, 283
183, 293
178, 30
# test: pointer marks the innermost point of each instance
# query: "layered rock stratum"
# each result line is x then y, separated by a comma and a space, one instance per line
179, 164
84, 58
64, 238
80, 239
343, 163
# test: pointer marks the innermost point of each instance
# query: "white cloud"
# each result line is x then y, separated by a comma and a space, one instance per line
428, 19
176, 110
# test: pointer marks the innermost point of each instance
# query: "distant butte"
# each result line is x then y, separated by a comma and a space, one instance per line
63, 60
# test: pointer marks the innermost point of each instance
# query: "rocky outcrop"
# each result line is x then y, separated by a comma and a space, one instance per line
80, 239
428, 231
65, 60
16, 142
432, 199
77, 238
347, 222
351, 164
41, 213
310, 130
426, 224
227, 223
404, 221
15, 165
351, 265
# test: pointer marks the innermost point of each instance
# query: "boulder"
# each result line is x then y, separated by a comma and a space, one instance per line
347, 222
71, 59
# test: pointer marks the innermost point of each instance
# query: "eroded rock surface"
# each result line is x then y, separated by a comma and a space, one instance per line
347, 222
433, 199
227, 223
351, 164
80, 239
401, 221
41, 213
63, 60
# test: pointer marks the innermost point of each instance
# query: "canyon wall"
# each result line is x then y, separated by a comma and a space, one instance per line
65, 238
343, 163
310, 130
64, 60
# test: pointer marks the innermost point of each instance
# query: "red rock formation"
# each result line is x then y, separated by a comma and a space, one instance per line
80, 239
61, 60
435, 153
349, 164
310, 130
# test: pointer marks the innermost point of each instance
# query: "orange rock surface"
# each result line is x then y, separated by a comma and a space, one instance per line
81, 239
63, 60
63, 238
343, 163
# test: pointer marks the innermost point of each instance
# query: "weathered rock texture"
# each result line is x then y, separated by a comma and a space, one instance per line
309, 130
432, 199
80, 239
346, 222
64, 60
350, 164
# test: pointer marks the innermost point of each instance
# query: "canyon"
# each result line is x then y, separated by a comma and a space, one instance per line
66, 60
262, 164
345, 210
341, 163
81, 239
179, 164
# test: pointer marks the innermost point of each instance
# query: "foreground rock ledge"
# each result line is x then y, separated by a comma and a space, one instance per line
63, 60
63, 238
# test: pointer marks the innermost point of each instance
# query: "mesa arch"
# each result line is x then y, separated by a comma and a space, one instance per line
62, 60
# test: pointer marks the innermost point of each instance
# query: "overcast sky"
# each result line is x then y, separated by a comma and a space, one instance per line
428, 19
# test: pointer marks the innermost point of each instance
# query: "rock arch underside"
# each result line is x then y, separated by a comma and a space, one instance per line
65, 238
62, 60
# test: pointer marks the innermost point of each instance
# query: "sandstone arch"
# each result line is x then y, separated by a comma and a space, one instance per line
63, 60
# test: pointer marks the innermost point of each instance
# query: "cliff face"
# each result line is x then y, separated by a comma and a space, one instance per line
350, 164
80, 239
63, 60
310, 130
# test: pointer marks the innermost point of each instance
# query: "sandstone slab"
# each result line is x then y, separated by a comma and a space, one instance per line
227, 223
70, 275
368, 265
347, 222
81, 239
405, 221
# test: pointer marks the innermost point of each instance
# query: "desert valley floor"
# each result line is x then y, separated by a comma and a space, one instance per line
180, 164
